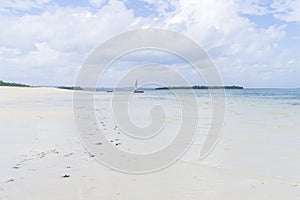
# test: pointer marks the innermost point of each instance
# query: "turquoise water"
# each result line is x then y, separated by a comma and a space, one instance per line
291, 96
261, 129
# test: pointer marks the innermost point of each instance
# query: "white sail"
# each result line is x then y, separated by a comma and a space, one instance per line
136, 85
136, 88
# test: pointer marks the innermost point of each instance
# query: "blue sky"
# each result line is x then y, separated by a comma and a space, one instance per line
253, 43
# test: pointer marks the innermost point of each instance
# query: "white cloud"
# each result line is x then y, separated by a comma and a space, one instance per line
291, 61
252, 7
218, 27
162, 6
22, 5
58, 39
97, 3
287, 10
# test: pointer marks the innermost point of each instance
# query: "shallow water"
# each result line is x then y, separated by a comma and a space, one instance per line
260, 134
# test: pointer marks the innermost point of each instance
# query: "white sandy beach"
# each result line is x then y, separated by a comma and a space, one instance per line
257, 156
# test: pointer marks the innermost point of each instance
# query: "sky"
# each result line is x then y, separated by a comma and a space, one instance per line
253, 43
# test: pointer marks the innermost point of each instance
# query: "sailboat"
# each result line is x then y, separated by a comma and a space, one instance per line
136, 88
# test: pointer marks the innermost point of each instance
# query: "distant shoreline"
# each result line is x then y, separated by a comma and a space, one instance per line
2, 83
196, 87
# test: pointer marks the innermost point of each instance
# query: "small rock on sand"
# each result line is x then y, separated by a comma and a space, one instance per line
66, 176
91, 155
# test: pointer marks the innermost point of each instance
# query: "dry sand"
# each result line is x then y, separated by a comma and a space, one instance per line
42, 158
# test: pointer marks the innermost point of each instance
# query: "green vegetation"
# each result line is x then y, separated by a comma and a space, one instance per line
69, 88
2, 83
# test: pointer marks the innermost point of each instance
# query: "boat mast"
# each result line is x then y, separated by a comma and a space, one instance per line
136, 85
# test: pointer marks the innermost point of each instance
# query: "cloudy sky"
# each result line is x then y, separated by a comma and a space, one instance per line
254, 43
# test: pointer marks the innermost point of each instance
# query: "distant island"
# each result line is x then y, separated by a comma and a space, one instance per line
69, 88
2, 83
197, 87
